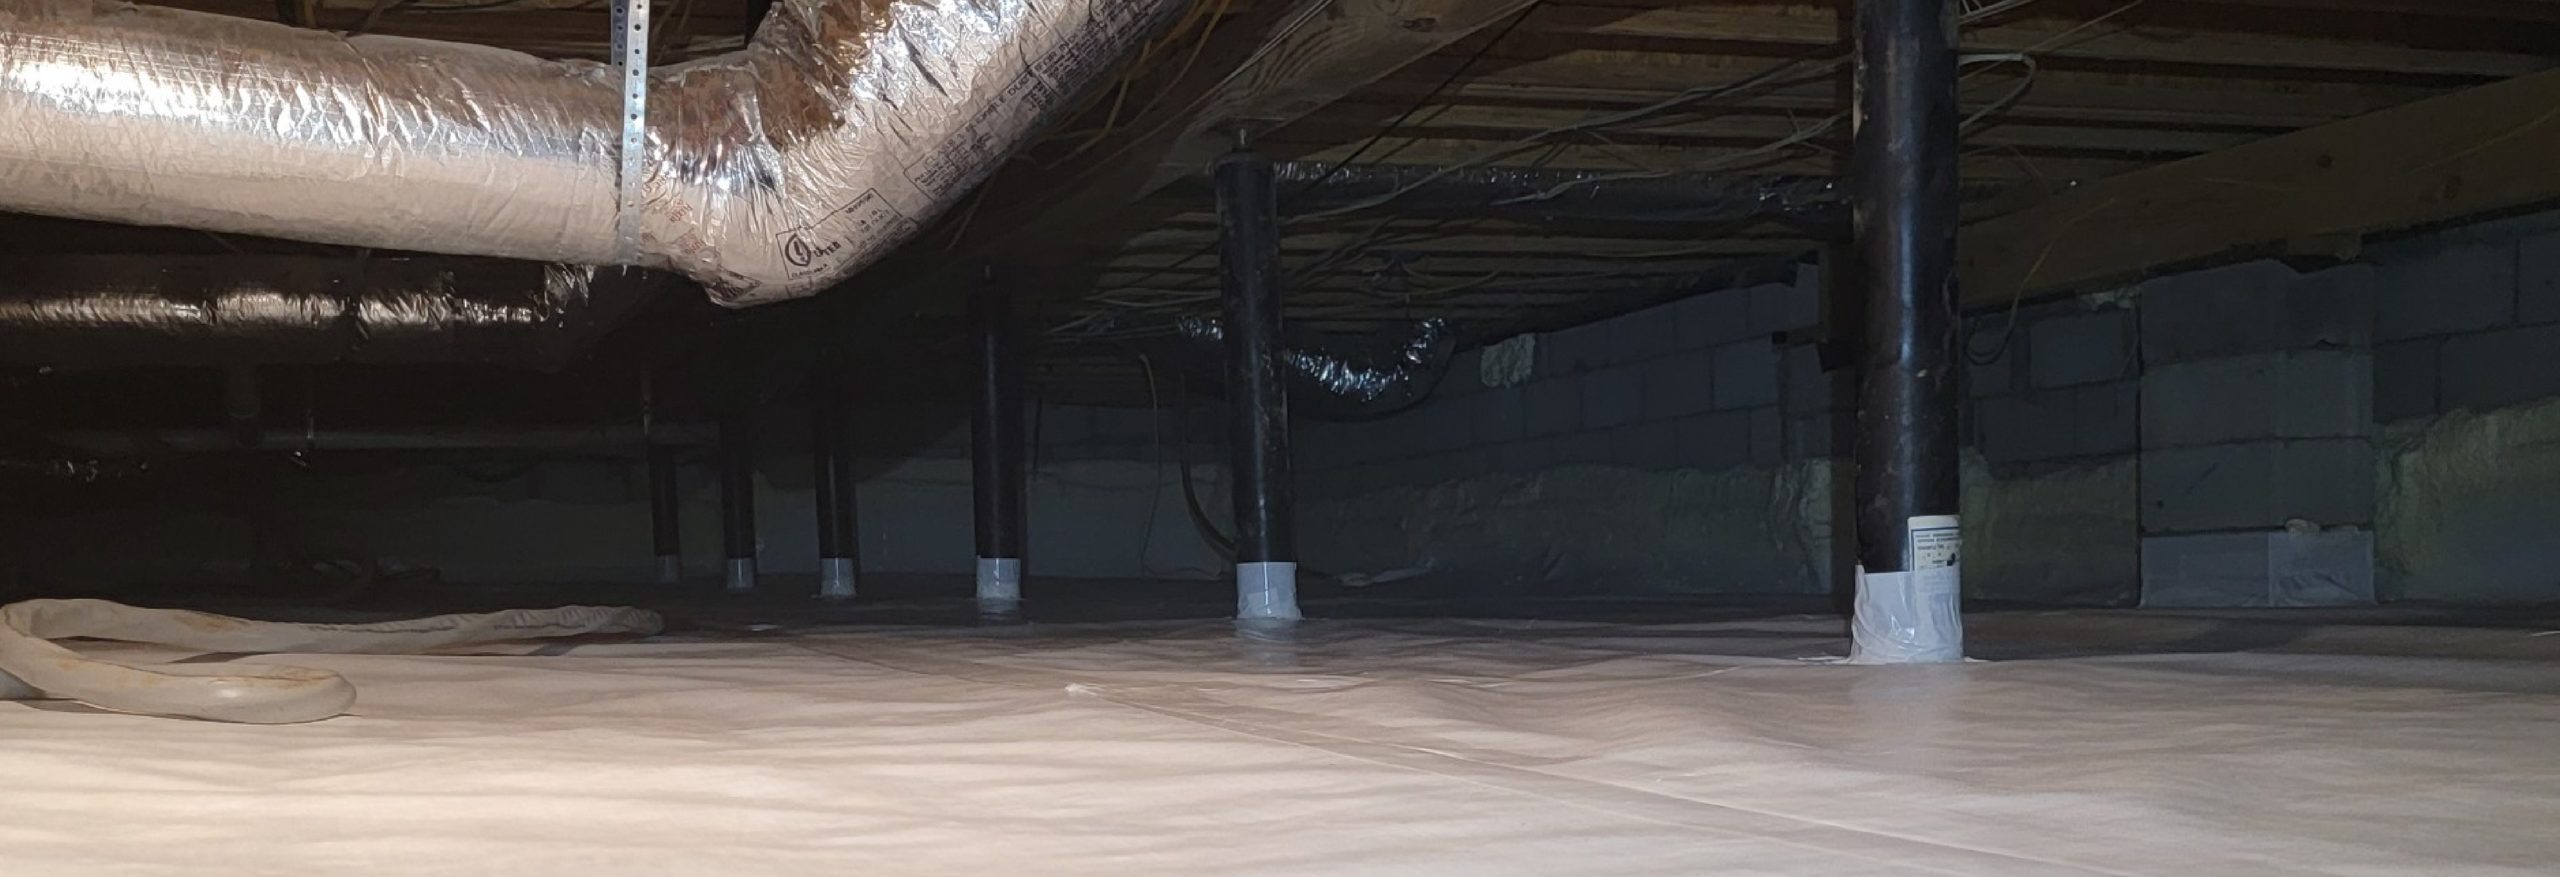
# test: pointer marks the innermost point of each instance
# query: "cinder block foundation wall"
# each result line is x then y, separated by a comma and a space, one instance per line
2193, 440
2252, 433
2467, 392
1682, 449
2383, 427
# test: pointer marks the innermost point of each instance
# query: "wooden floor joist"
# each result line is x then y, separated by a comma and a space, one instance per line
1794, 25
2483, 150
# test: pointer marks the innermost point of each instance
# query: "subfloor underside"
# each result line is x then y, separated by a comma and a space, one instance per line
2098, 743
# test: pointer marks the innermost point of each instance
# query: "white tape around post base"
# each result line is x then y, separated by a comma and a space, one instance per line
835, 578
670, 569
1267, 591
999, 582
1913, 617
742, 574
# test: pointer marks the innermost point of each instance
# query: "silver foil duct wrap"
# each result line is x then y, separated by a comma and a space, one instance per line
72, 470
773, 171
206, 310
1344, 378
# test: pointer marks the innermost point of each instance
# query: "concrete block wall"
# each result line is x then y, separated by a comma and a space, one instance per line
2119, 433
2051, 422
2398, 403
2466, 376
2468, 319
2287, 411
2249, 424
1697, 384
2257, 435
1703, 397
2056, 383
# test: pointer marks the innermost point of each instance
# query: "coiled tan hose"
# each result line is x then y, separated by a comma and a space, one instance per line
31, 665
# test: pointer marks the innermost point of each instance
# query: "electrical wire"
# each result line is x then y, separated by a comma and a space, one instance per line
1686, 101
1209, 532
1690, 97
1772, 75
1155, 436
1408, 114
2008, 331
1204, 17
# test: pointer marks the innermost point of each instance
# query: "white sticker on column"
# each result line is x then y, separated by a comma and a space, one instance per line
1935, 542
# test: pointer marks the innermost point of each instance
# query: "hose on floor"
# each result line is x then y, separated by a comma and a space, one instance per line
33, 666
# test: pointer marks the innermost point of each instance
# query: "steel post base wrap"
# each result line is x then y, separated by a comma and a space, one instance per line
999, 581
1267, 591
1914, 617
835, 578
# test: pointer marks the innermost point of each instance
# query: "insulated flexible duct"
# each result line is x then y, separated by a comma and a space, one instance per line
32, 666
1342, 378
211, 310
771, 173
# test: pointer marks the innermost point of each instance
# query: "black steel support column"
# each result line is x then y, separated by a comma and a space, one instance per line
997, 448
243, 404
831, 449
664, 524
738, 497
1904, 163
1257, 397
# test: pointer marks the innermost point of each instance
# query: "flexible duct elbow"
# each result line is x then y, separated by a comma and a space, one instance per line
772, 172
1343, 378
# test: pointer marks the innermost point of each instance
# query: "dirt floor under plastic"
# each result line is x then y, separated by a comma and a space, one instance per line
770, 735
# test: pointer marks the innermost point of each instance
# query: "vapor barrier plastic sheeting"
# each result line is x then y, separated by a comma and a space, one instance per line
1440, 748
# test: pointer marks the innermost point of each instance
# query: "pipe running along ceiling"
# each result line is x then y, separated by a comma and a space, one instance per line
213, 310
772, 172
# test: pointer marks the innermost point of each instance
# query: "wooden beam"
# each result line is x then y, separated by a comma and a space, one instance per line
2054, 40
1633, 77
2542, 11
1808, 159
2475, 151
1754, 127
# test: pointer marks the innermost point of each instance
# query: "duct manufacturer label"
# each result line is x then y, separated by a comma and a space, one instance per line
1093, 43
974, 148
852, 231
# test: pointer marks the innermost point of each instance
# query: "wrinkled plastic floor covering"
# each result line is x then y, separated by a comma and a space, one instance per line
1459, 748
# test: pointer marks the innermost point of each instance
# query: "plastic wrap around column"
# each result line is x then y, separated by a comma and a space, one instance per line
772, 172
1914, 616
1267, 591
835, 578
999, 581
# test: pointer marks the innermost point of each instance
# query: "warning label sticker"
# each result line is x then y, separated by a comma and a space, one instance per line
1935, 542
